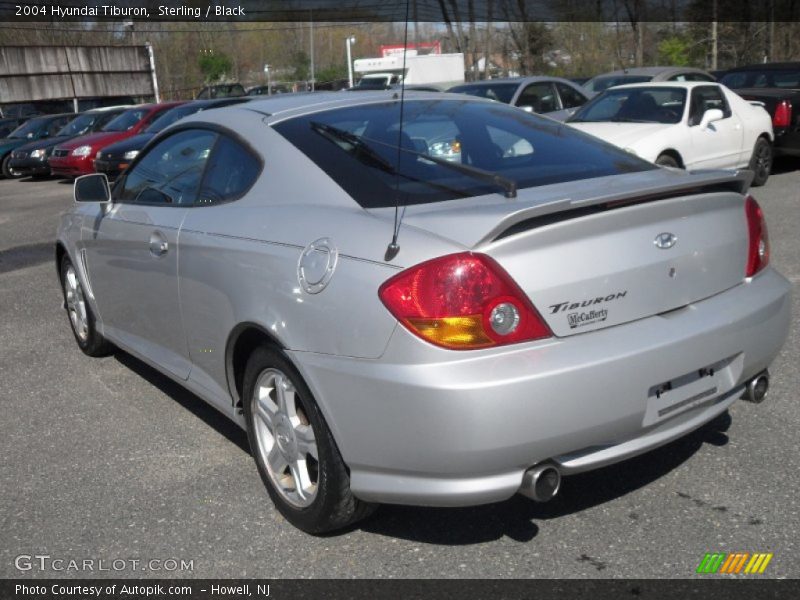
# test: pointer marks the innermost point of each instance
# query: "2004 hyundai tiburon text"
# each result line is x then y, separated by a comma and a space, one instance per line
444, 305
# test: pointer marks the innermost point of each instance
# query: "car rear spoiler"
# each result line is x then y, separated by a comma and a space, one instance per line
484, 221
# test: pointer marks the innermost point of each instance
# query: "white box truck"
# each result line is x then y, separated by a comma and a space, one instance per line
439, 70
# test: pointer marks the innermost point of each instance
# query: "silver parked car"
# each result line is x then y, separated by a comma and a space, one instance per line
601, 83
552, 96
442, 305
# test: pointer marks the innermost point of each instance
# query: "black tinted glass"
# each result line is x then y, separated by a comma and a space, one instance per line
29, 130
789, 78
78, 125
635, 105
570, 97
126, 120
600, 84
171, 116
502, 92
358, 148
231, 171
170, 172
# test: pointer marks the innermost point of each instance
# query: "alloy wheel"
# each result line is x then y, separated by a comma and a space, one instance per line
76, 304
285, 438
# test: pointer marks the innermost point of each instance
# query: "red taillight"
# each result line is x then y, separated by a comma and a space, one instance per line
758, 239
783, 114
462, 301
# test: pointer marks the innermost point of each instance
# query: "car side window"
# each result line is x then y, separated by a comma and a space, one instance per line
540, 97
232, 170
170, 172
570, 97
705, 98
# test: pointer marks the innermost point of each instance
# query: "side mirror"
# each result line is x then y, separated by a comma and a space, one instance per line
92, 188
710, 116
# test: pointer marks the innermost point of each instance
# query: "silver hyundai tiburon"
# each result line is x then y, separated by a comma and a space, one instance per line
433, 300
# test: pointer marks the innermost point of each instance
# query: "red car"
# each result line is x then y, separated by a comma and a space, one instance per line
76, 157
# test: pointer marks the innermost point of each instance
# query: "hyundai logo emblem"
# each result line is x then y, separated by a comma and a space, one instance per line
665, 240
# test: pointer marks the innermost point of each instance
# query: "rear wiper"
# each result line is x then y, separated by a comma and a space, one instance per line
335, 134
509, 185
358, 143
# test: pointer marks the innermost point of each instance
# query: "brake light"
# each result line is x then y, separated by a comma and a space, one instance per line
758, 239
783, 114
462, 301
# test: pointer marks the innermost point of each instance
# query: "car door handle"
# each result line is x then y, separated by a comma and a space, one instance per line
158, 245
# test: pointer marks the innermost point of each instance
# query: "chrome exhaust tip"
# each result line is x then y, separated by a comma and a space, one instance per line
756, 389
541, 483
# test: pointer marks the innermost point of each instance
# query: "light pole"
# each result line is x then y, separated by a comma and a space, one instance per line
350, 41
269, 80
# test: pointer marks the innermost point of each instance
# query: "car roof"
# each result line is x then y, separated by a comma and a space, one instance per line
282, 106
652, 71
209, 102
666, 84
101, 109
514, 80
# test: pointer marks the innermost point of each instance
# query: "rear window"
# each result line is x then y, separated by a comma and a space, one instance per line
759, 79
601, 84
358, 148
502, 92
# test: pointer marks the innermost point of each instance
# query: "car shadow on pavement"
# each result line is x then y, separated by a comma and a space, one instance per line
784, 164
195, 405
26, 255
515, 517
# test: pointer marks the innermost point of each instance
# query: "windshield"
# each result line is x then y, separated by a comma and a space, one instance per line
358, 148
171, 116
635, 105
760, 79
126, 120
502, 92
601, 84
78, 125
28, 130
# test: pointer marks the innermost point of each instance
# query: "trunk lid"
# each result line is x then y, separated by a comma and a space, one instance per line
597, 260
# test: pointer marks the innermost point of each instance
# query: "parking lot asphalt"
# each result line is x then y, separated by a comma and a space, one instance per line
107, 459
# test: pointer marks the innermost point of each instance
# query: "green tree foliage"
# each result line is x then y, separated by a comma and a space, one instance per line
214, 65
331, 73
674, 51
301, 66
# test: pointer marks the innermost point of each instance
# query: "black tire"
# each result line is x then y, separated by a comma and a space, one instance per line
666, 160
8, 172
761, 161
333, 506
91, 343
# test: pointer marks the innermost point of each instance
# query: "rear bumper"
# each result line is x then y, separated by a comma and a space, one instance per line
422, 425
787, 142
